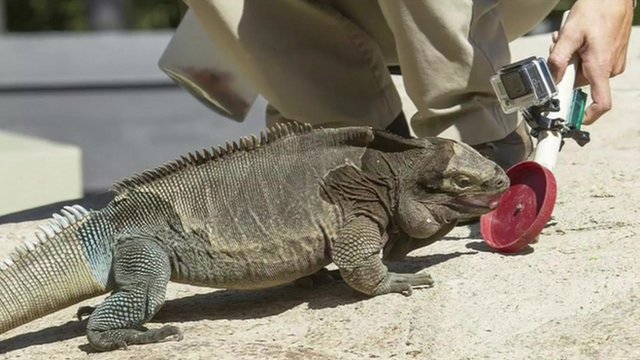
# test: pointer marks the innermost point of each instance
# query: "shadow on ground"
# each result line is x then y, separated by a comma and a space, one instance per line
481, 246
234, 304
416, 263
224, 304
474, 232
69, 330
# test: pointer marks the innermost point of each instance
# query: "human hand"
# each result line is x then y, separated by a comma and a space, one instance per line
599, 35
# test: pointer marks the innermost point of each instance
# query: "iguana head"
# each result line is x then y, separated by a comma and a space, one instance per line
443, 182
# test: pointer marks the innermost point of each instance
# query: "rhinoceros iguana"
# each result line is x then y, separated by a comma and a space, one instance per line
257, 213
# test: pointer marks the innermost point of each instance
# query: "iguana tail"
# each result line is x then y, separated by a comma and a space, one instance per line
67, 261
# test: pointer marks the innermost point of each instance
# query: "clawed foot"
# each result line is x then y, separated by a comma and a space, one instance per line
121, 338
404, 283
174, 333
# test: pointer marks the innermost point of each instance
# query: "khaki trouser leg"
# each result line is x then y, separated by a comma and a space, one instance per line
521, 16
324, 62
448, 50
309, 61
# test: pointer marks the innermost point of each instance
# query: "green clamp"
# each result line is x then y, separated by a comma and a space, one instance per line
578, 105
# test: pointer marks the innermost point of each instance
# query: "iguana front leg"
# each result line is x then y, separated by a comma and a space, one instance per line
141, 271
356, 252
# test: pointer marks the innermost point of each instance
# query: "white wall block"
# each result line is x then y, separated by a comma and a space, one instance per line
36, 172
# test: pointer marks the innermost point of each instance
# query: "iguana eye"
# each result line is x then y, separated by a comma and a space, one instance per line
462, 181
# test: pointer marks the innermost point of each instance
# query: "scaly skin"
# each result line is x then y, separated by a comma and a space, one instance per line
54, 273
260, 214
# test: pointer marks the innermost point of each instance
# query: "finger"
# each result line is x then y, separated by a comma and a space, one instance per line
620, 63
619, 67
601, 96
567, 45
554, 39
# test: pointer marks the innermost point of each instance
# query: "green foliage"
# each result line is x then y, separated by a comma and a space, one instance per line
46, 15
154, 14
71, 15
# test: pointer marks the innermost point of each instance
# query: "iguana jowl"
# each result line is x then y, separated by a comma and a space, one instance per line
255, 214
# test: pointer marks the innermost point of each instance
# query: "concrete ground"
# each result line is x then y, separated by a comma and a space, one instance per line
573, 295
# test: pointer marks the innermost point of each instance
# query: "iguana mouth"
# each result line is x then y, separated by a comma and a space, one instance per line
489, 202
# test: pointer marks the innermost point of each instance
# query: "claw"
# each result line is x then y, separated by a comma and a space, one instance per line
178, 336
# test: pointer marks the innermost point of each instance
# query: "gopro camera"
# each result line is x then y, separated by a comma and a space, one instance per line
524, 84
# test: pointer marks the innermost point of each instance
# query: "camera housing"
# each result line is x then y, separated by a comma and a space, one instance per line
524, 84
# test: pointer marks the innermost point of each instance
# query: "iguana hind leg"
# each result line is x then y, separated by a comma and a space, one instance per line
141, 272
356, 252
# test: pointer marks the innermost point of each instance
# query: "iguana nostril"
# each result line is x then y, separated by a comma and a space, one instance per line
495, 183
500, 180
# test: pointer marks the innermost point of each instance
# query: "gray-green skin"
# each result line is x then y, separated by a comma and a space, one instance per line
256, 214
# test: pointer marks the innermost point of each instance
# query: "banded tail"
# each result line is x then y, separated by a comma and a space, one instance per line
67, 261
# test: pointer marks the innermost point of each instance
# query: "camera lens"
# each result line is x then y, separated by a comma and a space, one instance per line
515, 84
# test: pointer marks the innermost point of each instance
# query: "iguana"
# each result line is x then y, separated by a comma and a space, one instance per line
257, 213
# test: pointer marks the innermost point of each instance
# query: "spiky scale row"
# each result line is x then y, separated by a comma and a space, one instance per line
71, 214
67, 217
203, 156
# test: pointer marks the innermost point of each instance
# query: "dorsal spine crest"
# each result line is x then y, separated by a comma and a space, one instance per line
58, 223
204, 156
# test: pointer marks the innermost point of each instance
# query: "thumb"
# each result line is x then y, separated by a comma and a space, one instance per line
568, 43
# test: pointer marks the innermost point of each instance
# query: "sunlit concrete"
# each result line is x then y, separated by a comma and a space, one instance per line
35, 172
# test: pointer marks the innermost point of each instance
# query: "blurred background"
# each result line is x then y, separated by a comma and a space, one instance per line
84, 73
130, 15
90, 15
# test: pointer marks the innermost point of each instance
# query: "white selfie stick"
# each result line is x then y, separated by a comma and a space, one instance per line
549, 141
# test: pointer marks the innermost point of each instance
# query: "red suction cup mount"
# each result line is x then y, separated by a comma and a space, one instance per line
524, 210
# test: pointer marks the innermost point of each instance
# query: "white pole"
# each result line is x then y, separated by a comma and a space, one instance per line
549, 141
